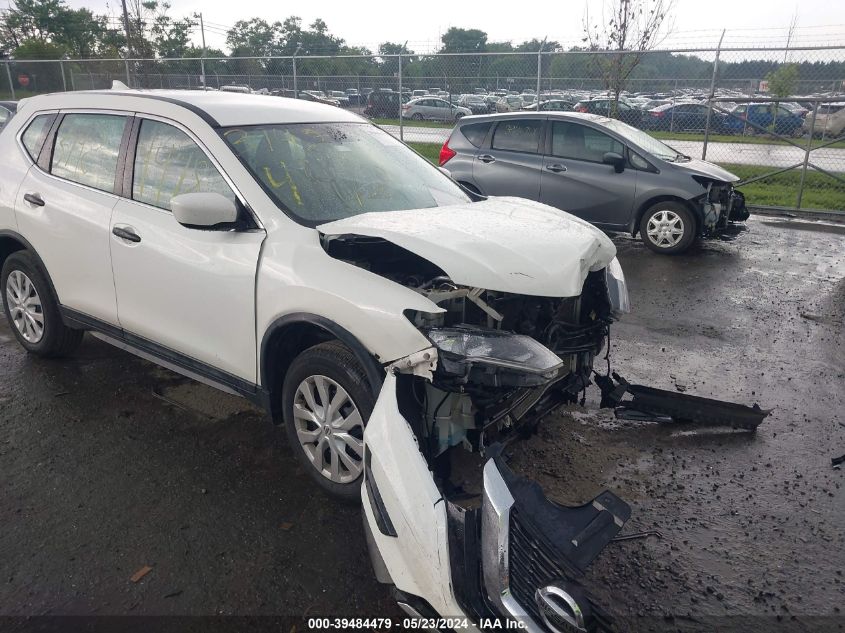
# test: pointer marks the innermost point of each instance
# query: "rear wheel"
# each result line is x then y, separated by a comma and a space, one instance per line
668, 228
32, 310
327, 402
417, 116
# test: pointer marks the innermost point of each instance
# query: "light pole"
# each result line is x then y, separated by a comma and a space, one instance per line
202, 59
295, 53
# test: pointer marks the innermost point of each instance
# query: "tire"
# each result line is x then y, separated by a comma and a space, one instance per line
417, 116
329, 456
459, 116
663, 220
36, 322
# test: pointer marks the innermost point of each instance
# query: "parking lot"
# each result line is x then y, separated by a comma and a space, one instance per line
111, 465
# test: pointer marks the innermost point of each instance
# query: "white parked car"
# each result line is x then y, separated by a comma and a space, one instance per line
294, 254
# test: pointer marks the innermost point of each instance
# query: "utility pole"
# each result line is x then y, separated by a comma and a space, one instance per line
296, 52
539, 69
202, 59
128, 39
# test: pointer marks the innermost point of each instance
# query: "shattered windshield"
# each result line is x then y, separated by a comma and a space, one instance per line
320, 172
646, 141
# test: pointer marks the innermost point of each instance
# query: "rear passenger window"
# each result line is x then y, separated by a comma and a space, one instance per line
86, 149
476, 132
168, 163
518, 136
33, 137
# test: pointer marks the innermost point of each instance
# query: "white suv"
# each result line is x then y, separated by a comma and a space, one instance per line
294, 254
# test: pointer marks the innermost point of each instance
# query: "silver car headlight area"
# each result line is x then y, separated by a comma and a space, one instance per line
617, 288
492, 357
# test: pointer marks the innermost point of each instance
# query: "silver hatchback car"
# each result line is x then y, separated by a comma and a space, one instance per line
602, 170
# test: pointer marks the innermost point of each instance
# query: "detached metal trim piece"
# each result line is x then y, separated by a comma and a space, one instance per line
495, 538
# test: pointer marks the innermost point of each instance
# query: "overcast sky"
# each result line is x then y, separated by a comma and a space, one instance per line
368, 22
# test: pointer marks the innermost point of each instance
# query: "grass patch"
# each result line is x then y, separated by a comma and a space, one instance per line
730, 138
412, 123
820, 191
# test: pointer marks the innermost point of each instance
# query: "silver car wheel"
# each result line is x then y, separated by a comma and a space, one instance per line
25, 306
330, 429
665, 229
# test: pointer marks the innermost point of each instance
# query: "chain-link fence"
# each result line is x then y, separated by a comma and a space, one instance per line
774, 117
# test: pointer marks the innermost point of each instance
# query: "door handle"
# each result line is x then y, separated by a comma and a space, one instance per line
486, 158
126, 233
34, 199
556, 168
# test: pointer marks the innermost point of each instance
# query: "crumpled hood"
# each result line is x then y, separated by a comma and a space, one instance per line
502, 244
709, 170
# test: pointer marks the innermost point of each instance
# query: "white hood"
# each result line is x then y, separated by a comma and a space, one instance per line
502, 244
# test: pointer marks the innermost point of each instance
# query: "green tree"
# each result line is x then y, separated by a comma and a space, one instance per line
783, 81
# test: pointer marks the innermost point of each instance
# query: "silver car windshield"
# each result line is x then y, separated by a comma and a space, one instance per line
319, 172
650, 144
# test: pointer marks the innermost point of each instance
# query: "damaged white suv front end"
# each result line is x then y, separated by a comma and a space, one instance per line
524, 296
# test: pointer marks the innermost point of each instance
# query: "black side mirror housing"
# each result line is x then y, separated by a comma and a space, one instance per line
615, 159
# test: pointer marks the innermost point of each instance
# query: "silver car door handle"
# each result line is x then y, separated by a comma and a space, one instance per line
556, 168
486, 158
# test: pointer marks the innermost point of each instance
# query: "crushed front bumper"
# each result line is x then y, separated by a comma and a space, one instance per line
519, 556
515, 556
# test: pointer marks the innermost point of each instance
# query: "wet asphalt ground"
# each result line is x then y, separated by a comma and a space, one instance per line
109, 464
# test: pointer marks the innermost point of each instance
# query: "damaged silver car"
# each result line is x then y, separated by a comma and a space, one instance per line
605, 171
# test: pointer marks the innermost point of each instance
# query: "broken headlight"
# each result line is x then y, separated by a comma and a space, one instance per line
492, 357
617, 288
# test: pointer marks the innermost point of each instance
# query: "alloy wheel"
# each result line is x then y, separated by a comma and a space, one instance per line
330, 428
25, 306
665, 229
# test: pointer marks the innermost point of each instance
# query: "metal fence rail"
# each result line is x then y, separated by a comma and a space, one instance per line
766, 114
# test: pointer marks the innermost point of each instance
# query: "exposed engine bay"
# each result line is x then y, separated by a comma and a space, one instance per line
503, 360
722, 205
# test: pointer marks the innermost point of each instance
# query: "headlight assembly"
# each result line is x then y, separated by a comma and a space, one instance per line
617, 288
492, 357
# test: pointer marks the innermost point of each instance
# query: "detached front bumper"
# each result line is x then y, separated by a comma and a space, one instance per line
515, 556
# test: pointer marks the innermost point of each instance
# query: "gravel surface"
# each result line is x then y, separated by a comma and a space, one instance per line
110, 465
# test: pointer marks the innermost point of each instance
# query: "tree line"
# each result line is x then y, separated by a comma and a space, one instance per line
49, 29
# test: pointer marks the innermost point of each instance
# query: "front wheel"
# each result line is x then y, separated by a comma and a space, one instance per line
668, 228
326, 403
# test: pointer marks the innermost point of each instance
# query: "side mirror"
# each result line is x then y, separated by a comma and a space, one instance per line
203, 209
615, 159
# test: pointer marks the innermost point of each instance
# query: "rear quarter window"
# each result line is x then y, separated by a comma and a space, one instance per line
475, 133
35, 134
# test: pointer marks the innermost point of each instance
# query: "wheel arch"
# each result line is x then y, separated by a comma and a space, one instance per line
651, 201
13, 242
292, 334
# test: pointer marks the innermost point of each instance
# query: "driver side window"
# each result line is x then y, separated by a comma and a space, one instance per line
168, 163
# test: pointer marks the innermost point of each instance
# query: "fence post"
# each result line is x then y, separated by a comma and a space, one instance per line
64, 81
401, 118
9, 75
128, 76
710, 98
807, 155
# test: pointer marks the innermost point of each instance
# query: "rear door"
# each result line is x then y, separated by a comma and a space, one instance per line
575, 179
509, 163
65, 204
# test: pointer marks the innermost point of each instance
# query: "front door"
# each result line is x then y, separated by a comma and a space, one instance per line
575, 179
186, 290
511, 166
